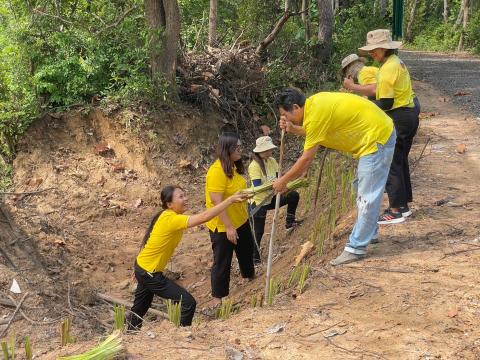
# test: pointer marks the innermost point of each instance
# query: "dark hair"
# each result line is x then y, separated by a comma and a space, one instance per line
227, 143
166, 196
259, 160
289, 97
390, 52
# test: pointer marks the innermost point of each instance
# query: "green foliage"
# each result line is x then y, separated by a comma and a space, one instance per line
275, 287
473, 33
6, 176
352, 25
437, 36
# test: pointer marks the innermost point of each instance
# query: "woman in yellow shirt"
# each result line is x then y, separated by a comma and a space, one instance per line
262, 169
358, 77
230, 230
395, 96
162, 237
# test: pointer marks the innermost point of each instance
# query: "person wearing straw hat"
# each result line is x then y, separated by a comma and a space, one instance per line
394, 94
264, 168
358, 77
351, 124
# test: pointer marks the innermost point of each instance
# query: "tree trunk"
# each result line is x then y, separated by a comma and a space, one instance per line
466, 18
163, 18
212, 23
413, 13
460, 15
325, 30
445, 11
306, 18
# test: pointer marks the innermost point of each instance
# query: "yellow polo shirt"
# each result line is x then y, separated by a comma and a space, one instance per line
255, 172
164, 238
219, 182
345, 122
394, 81
368, 75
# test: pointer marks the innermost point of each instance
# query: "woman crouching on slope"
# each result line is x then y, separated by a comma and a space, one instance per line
162, 237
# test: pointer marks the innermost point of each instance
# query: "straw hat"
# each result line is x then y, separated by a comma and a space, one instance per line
379, 39
264, 143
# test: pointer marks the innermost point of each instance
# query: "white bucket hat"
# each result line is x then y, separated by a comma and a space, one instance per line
349, 59
379, 39
264, 143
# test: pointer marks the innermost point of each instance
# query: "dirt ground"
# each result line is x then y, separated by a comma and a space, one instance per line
417, 295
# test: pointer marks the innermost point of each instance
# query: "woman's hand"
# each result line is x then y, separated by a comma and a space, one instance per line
285, 124
240, 196
232, 235
348, 83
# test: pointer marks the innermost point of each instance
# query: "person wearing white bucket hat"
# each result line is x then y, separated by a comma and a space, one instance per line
358, 77
394, 94
264, 168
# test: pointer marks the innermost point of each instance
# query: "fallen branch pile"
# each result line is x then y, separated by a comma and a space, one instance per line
230, 81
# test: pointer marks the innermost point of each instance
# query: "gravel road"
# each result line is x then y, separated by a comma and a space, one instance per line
449, 73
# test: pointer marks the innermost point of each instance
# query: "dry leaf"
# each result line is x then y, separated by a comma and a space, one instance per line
461, 148
34, 181
184, 163
215, 92
462, 93
138, 203
118, 167
104, 149
453, 312
306, 249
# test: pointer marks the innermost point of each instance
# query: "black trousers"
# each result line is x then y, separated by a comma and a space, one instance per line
222, 258
291, 199
150, 284
399, 186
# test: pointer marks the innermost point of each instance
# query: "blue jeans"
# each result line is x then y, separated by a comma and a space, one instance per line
372, 176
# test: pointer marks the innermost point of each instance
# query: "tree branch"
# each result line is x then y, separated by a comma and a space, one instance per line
118, 21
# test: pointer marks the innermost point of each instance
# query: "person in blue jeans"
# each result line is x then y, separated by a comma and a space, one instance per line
351, 124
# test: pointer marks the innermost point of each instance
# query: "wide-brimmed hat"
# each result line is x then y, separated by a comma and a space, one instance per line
264, 143
379, 39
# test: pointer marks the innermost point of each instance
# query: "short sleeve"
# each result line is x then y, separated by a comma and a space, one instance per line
368, 75
316, 128
254, 171
178, 222
386, 80
216, 179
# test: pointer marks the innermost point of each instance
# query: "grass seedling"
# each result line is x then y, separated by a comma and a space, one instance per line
254, 301
28, 348
274, 290
66, 337
108, 349
119, 317
174, 311
6, 353
225, 310
8, 348
303, 278
294, 277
